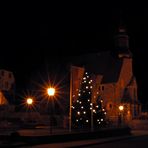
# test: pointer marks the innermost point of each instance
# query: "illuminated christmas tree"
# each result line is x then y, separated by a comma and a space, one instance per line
99, 114
85, 113
81, 108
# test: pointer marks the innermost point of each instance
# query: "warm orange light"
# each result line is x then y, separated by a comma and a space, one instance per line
51, 91
29, 101
121, 107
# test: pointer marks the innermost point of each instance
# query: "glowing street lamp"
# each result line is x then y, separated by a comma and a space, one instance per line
120, 117
121, 108
29, 101
51, 93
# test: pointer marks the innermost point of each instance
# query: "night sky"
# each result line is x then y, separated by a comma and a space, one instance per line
34, 43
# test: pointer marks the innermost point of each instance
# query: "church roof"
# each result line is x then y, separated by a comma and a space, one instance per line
103, 63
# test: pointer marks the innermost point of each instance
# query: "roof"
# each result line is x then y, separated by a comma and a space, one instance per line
103, 63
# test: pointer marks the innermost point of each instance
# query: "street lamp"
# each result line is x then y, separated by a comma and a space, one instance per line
51, 93
121, 108
29, 102
120, 117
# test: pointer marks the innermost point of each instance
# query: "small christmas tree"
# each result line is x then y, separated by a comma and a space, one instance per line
81, 109
99, 114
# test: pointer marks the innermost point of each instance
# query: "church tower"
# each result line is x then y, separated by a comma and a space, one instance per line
122, 43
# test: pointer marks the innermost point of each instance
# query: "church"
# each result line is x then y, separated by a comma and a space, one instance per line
113, 79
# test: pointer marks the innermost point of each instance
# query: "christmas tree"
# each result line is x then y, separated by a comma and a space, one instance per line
85, 113
99, 113
81, 108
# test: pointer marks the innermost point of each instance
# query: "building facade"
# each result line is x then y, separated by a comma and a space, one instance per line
113, 79
7, 83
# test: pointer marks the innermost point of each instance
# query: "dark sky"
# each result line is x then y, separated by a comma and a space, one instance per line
33, 40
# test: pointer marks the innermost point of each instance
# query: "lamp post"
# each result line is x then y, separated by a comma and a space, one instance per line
29, 102
51, 93
120, 117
